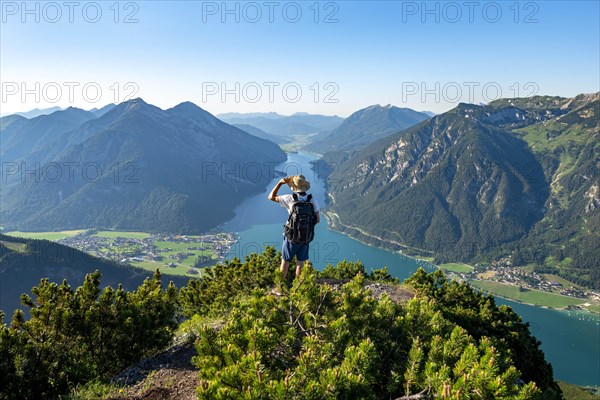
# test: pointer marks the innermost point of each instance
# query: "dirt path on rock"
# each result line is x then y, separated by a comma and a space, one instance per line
168, 375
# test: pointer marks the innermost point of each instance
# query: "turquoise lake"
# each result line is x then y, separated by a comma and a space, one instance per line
570, 340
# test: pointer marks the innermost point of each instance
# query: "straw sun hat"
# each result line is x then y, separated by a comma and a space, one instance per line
298, 183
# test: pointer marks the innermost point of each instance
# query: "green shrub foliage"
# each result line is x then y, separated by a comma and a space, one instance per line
349, 269
74, 336
220, 285
479, 315
326, 337
318, 342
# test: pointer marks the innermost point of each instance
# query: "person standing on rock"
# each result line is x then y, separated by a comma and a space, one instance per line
303, 215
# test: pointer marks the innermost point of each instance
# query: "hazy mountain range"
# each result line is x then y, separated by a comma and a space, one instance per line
36, 112
262, 134
299, 124
134, 167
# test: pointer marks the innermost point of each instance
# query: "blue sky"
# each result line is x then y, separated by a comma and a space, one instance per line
351, 54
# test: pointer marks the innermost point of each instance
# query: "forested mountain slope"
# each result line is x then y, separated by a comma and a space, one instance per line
518, 177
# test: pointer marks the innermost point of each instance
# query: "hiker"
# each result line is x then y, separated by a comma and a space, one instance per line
303, 215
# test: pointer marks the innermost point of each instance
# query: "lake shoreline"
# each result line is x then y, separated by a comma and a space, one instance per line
334, 223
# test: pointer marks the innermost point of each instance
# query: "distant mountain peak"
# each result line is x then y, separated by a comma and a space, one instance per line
366, 126
380, 108
189, 110
188, 106
36, 112
136, 105
70, 109
70, 113
138, 101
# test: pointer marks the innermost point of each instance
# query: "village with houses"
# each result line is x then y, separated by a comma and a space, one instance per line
503, 272
171, 253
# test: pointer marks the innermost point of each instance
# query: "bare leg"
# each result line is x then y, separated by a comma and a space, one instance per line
299, 265
284, 268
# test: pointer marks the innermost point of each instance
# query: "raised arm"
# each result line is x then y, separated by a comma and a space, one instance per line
273, 195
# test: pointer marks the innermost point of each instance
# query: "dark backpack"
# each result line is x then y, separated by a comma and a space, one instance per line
300, 226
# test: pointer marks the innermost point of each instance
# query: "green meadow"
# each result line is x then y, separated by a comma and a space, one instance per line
45, 235
164, 269
456, 267
534, 297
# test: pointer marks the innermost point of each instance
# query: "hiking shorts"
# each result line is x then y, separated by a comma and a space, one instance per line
289, 250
